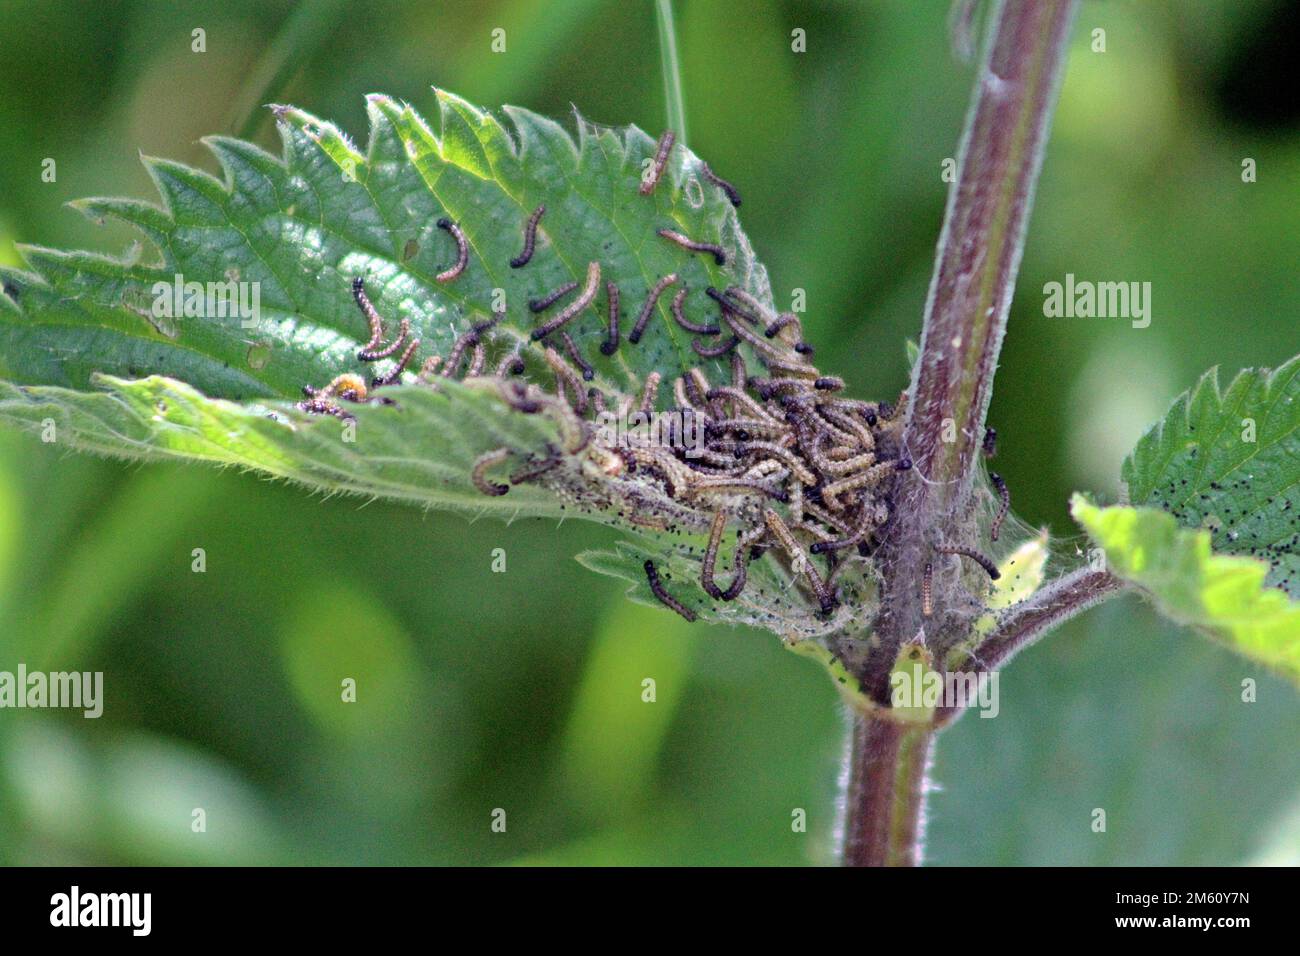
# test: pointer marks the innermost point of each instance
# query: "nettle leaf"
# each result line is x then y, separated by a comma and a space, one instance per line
1229, 462
195, 344
420, 451
1224, 595
299, 229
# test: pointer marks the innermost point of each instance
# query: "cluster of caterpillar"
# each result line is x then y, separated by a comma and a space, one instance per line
787, 437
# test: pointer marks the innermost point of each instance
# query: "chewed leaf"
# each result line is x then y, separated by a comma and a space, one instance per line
1229, 462
1224, 595
1022, 573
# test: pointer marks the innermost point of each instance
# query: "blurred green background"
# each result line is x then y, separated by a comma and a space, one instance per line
522, 690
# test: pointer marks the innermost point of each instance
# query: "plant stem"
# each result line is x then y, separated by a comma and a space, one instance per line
976, 264
983, 237
671, 68
886, 796
304, 32
977, 261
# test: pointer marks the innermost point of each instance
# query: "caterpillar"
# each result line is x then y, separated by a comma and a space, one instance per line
657, 587
470, 339
865, 523
740, 563
511, 364
552, 297
478, 474
732, 195
799, 560
717, 351
648, 308
535, 469
1004, 494
370, 351
689, 244
395, 375
782, 321
656, 170
927, 590
574, 308
610, 345
570, 346
462, 251
982, 560
530, 238
684, 322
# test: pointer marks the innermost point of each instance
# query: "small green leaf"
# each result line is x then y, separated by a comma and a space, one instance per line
1229, 462
913, 352
1223, 595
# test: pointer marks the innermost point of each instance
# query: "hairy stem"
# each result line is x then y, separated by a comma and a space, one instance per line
983, 238
1029, 620
978, 258
886, 796
1050, 607
671, 68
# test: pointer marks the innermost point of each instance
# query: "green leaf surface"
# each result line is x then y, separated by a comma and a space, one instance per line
1229, 462
420, 450
1224, 595
301, 227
